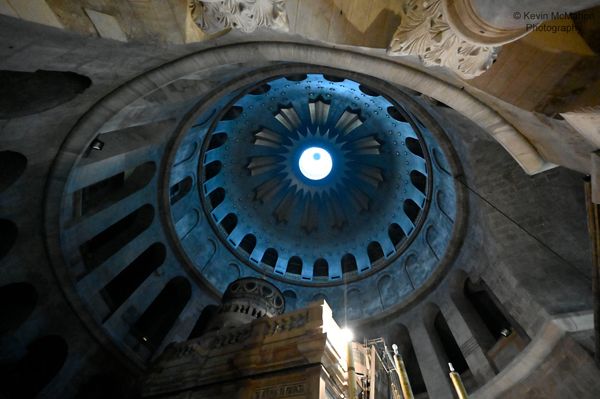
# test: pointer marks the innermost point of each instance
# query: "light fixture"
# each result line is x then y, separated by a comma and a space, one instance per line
97, 145
315, 163
347, 334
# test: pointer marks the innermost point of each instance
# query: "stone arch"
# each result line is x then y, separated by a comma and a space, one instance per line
116, 292
106, 243
158, 319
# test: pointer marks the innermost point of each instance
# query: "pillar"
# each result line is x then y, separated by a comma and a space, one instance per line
471, 349
433, 369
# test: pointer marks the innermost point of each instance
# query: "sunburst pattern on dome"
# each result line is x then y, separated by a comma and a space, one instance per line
350, 186
354, 218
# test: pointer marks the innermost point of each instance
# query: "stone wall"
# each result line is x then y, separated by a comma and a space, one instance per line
526, 240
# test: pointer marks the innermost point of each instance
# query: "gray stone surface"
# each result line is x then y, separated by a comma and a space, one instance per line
525, 237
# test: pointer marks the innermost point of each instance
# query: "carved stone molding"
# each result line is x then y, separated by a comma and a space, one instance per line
466, 23
586, 122
246, 15
425, 33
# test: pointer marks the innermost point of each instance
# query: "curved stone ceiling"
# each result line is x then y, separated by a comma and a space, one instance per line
277, 220
373, 233
141, 195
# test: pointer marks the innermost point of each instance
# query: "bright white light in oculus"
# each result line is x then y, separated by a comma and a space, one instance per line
315, 163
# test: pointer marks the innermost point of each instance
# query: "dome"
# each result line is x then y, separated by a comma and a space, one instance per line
388, 198
422, 183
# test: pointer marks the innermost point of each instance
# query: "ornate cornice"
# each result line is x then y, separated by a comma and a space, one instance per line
424, 32
467, 24
246, 15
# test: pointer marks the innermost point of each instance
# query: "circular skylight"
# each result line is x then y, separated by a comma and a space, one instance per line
315, 163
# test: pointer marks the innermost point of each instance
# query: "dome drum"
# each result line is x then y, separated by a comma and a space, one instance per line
388, 203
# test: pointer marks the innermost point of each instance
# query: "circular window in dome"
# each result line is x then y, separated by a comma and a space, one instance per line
315, 163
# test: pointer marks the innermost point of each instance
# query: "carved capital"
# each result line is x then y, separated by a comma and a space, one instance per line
470, 26
246, 15
425, 33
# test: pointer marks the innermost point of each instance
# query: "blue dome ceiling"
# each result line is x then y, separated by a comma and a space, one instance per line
223, 197
285, 224
374, 233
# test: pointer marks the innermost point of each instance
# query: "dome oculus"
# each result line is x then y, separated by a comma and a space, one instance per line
273, 197
315, 163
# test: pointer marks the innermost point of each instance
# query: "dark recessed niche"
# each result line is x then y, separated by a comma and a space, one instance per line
449, 345
103, 245
105, 385
212, 169
294, 265
402, 339
248, 243
368, 91
26, 93
113, 189
270, 257
232, 113
17, 301
419, 180
128, 280
411, 209
180, 189
12, 166
216, 197
333, 78
39, 365
8, 232
216, 141
414, 146
321, 268
262, 89
349, 263
297, 78
229, 222
158, 319
203, 321
396, 234
375, 252
396, 114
